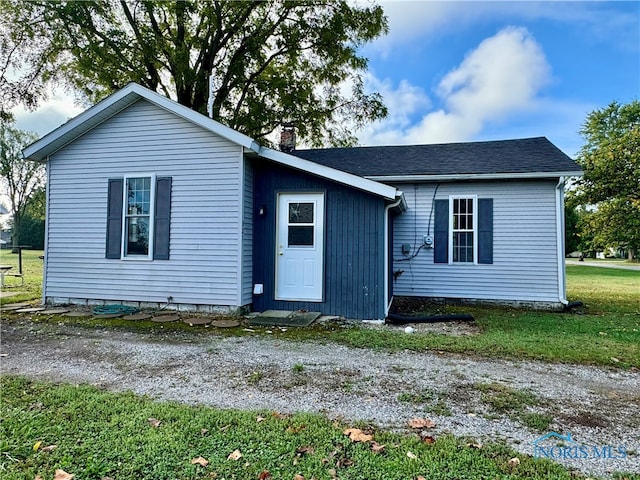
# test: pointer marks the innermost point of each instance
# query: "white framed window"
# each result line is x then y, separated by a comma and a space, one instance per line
463, 230
138, 222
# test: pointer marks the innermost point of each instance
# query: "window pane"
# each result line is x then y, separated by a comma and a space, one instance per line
137, 236
138, 196
463, 247
300, 236
301, 212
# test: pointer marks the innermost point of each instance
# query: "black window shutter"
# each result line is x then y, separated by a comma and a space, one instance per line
162, 219
114, 218
441, 230
485, 230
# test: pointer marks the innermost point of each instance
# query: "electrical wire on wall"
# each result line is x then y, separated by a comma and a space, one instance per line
415, 250
415, 225
433, 204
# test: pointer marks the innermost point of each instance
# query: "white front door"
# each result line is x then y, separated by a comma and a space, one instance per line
300, 246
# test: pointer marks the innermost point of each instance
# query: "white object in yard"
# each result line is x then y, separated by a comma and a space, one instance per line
409, 330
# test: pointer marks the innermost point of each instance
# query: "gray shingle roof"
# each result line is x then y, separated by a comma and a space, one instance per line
521, 156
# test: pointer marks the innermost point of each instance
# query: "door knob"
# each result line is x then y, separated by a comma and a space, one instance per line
280, 253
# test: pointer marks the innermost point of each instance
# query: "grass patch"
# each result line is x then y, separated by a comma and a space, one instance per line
416, 398
254, 377
536, 421
502, 398
100, 434
439, 408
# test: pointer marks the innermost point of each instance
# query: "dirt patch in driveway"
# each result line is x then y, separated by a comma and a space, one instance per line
598, 406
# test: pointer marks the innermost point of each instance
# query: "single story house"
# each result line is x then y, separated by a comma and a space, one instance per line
150, 202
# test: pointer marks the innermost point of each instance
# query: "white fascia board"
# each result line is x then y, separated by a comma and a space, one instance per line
329, 173
470, 176
117, 102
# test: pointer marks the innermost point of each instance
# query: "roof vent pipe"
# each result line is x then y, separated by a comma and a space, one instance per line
287, 138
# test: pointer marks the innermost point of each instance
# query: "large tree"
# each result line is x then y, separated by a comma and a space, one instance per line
610, 159
21, 179
272, 62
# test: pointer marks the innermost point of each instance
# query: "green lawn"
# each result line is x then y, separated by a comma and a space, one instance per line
605, 332
32, 270
98, 434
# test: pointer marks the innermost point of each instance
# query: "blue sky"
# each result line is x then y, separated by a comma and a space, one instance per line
465, 71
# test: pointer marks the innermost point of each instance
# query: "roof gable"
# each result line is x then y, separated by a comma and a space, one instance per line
120, 100
528, 157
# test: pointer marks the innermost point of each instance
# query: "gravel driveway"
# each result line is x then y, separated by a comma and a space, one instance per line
598, 406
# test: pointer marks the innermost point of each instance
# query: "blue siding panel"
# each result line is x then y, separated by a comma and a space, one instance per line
353, 250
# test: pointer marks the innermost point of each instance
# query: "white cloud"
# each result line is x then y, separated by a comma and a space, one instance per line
59, 108
502, 76
412, 20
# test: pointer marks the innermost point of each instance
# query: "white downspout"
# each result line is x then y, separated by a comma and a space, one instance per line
562, 283
386, 254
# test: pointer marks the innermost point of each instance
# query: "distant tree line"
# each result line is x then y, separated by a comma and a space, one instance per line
603, 210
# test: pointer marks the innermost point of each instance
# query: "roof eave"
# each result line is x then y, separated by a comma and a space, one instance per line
471, 176
355, 181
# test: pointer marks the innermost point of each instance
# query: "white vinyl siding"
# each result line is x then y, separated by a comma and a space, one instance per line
205, 212
525, 263
247, 235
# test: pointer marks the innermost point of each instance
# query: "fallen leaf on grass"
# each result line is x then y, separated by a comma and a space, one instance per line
204, 431
264, 475
62, 475
344, 463
38, 477
615, 360
429, 440
376, 447
36, 446
306, 450
411, 455
260, 419
298, 477
474, 445
279, 415
357, 435
203, 462
235, 455
421, 423
295, 429
154, 422
514, 462
49, 448
420, 477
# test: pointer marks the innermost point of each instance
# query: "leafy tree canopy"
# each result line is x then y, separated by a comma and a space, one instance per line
610, 159
272, 62
21, 179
